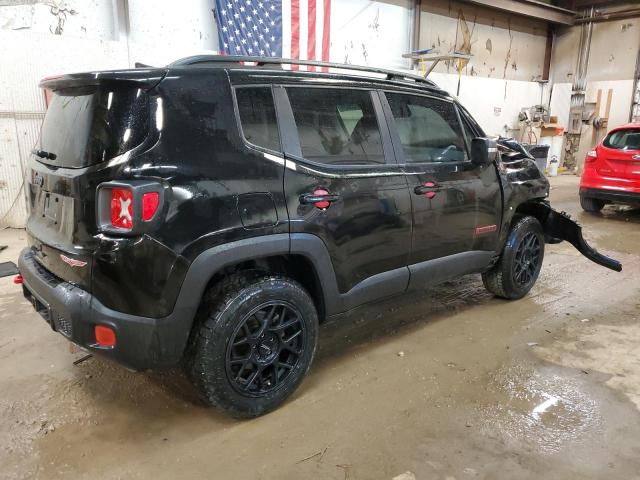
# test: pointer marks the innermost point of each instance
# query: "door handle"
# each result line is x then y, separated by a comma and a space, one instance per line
428, 189
320, 198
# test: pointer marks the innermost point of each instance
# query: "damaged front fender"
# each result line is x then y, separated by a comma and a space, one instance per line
558, 225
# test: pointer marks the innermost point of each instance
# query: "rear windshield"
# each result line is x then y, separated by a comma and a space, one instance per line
627, 139
85, 126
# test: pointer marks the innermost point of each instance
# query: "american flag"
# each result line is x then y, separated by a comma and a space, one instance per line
297, 29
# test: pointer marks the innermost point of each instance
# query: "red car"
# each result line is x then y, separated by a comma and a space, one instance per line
612, 170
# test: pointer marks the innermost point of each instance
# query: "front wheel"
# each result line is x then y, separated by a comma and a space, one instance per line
519, 266
254, 342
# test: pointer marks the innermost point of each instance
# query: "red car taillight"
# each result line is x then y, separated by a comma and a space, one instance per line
150, 202
591, 157
122, 208
129, 207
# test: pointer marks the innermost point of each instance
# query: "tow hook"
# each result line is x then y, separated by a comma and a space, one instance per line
559, 225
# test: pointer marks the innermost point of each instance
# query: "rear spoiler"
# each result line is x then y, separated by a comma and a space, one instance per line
140, 78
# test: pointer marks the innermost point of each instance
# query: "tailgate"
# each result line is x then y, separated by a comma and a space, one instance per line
58, 230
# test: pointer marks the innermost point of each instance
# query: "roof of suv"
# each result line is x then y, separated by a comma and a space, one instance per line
350, 72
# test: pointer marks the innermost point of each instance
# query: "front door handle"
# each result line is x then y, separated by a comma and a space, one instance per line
428, 189
320, 198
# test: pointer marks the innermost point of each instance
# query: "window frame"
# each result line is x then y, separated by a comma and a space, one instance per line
398, 147
236, 110
291, 146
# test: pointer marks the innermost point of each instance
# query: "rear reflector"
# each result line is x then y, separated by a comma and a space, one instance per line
150, 202
105, 336
18, 280
122, 208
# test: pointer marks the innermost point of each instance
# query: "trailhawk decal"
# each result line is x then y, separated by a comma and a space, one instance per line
72, 262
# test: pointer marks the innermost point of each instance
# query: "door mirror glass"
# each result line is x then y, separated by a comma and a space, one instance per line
483, 151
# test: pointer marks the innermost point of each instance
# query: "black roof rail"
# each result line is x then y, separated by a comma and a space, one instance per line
262, 61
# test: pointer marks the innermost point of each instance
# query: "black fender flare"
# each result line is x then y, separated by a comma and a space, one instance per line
213, 260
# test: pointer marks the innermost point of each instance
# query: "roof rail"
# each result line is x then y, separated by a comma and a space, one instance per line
262, 61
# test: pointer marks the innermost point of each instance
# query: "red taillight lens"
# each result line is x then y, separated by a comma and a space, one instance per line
592, 156
105, 336
150, 202
18, 280
122, 208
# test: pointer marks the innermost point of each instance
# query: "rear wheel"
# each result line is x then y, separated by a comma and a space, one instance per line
519, 266
255, 342
592, 205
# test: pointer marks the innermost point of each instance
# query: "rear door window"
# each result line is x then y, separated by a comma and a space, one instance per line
258, 117
428, 128
88, 125
336, 126
627, 139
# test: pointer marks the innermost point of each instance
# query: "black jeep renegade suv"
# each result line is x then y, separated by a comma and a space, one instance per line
212, 213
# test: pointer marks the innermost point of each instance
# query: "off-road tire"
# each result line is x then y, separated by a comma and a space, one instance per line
500, 280
591, 205
223, 308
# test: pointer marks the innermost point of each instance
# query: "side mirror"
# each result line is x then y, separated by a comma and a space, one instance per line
483, 151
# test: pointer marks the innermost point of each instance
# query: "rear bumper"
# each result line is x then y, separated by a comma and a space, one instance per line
141, 342
613, 196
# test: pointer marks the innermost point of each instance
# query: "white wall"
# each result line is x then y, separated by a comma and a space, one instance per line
165, 30
496, 108
374, 33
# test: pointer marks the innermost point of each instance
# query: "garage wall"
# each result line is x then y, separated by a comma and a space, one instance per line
503, 46
612, 63
375, 33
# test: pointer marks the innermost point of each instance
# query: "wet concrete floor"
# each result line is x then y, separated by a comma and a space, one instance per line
449, 383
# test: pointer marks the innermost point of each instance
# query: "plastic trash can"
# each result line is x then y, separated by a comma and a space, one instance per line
540, 153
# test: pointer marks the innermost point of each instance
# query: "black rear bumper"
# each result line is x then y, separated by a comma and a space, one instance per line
613, 196
141, 343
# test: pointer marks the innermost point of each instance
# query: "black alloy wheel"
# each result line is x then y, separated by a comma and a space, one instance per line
265, 348
520, 262
253, 342
527, 259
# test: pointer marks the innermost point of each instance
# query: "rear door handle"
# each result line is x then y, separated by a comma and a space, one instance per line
428, 189
320, 198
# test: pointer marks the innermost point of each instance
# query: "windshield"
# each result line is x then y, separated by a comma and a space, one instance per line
88, 125
626, 139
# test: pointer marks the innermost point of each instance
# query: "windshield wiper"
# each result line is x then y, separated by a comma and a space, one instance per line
43, 154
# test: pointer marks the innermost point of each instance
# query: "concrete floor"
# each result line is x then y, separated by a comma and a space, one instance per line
445, 384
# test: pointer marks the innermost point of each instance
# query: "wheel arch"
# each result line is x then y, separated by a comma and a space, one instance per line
303, 257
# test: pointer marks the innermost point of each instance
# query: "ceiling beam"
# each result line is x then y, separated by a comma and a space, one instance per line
531, 8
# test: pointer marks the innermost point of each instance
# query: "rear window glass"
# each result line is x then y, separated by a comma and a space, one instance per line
627, 139
336, 126
258, 117
86, 126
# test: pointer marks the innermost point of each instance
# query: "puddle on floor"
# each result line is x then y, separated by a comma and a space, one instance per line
541, 411
613, 350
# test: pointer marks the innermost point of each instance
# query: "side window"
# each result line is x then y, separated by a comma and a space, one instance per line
428, 128
258, 117
336, 126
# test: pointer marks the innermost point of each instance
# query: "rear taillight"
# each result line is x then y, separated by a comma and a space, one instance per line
592, 156
150, 202
122, 208
129, 207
